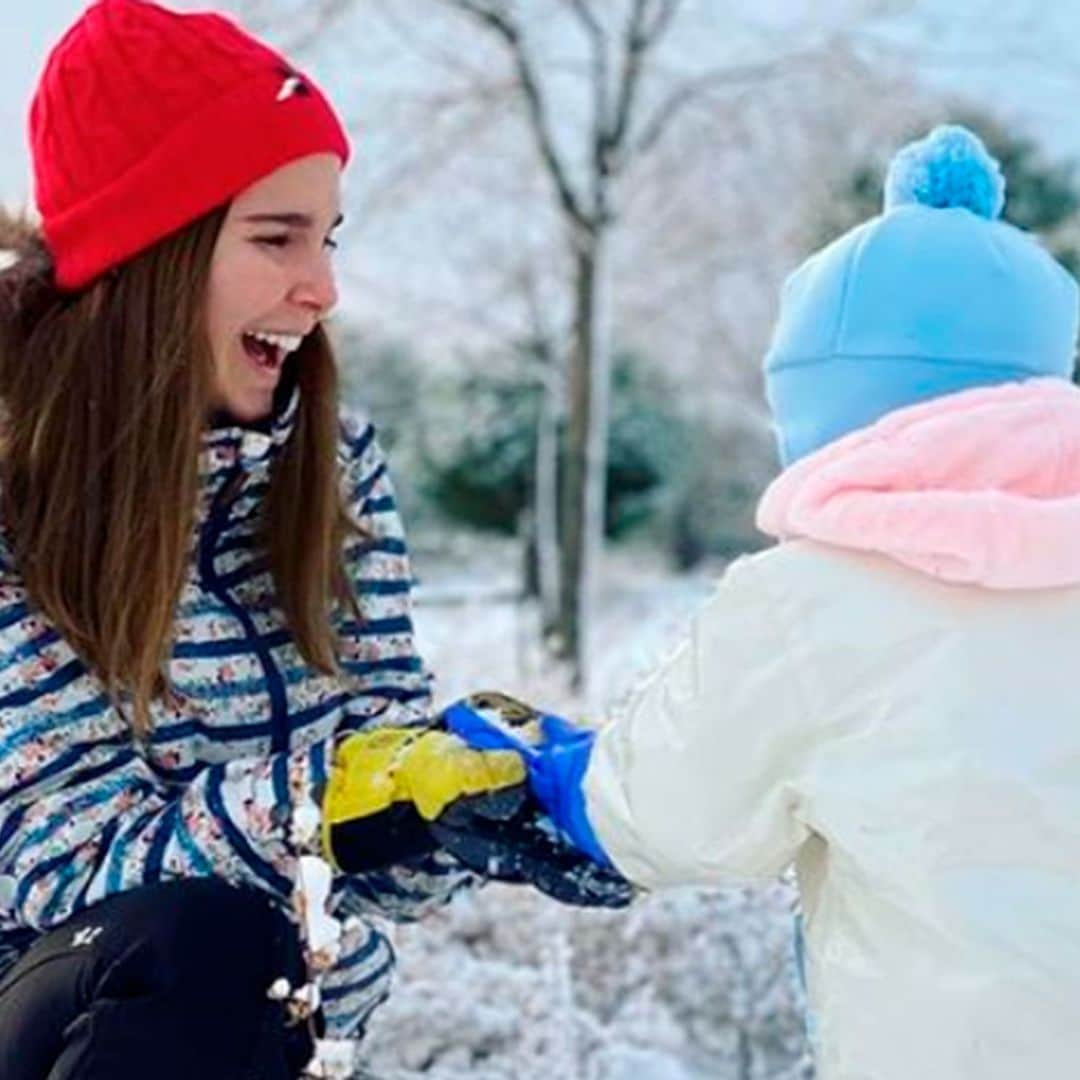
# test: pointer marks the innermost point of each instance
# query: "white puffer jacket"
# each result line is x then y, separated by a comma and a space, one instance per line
890, 698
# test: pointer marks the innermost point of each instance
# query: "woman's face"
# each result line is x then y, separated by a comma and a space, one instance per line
271, 280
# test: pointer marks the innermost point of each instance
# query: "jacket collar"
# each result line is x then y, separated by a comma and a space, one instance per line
980, 487
228, 446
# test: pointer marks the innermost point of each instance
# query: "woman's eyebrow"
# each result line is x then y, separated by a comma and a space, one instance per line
291, 219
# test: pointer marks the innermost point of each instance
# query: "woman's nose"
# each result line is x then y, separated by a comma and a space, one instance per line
317, 289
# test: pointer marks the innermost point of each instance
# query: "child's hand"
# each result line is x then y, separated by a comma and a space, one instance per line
555, 751
508, 837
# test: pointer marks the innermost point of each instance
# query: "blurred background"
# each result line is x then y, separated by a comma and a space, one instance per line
567, 223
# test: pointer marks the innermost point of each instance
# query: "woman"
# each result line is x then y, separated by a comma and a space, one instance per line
888, 697
209, 690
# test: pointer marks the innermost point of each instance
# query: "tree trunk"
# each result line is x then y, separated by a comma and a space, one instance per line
546, 512
583, 496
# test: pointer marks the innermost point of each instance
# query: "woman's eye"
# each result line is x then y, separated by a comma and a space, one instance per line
272, 241
330, 243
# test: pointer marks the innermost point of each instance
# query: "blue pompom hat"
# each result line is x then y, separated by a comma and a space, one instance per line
932, 297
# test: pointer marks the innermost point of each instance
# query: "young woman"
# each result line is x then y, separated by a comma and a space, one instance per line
888, 697
209, 690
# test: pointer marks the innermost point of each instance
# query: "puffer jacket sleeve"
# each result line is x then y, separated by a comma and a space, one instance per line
380, 653
84, 812
699, 779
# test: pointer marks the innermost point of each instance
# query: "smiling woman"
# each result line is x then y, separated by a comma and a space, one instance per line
205, 621
271, 280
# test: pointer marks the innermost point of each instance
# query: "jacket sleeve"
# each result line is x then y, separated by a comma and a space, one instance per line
698, 779
359, 982
380, 653
85, 813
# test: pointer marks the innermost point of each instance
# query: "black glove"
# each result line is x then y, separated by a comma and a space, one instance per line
507, 837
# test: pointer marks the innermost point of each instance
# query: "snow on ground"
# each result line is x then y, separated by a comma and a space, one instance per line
641, 610
685, 985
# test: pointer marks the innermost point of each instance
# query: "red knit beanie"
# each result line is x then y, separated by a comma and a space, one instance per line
145, 119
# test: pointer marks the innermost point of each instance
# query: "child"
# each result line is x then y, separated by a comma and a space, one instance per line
888, 698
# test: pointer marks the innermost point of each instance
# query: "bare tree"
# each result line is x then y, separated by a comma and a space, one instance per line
307, 20
634, 96
623, 128
589, 213
541, 547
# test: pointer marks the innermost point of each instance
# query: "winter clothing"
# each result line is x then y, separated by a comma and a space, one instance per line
506, 836
530, 836
387, 785
394, 792
929, 486
167, 980
230, 782
933, 297
145, 119
888, 699
555, 753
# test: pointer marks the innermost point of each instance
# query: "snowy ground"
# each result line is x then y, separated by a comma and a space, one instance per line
504, 983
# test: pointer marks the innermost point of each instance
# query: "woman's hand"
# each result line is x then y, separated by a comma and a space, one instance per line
395, 793
387, 785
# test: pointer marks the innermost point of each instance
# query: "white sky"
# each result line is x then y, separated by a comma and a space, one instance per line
27, 29
1021, 56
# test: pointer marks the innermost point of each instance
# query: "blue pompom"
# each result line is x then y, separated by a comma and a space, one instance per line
950, 167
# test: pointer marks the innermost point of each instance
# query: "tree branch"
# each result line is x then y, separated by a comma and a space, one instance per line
635, 45
601, 119
653, 129
425, 47
588, 18
497, 20
665, 12
598, 45
320, 15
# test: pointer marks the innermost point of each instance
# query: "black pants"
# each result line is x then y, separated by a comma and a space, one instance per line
167, 981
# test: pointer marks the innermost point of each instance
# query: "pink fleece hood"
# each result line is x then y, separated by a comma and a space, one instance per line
980, 487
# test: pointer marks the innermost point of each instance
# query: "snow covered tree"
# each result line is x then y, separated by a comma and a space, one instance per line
485, 475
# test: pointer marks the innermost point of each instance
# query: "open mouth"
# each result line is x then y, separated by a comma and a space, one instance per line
267, 350
265, 355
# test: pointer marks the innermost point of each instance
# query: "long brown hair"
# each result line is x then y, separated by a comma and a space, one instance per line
105, 395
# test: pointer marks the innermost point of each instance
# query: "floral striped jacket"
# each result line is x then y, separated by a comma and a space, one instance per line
244, 742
